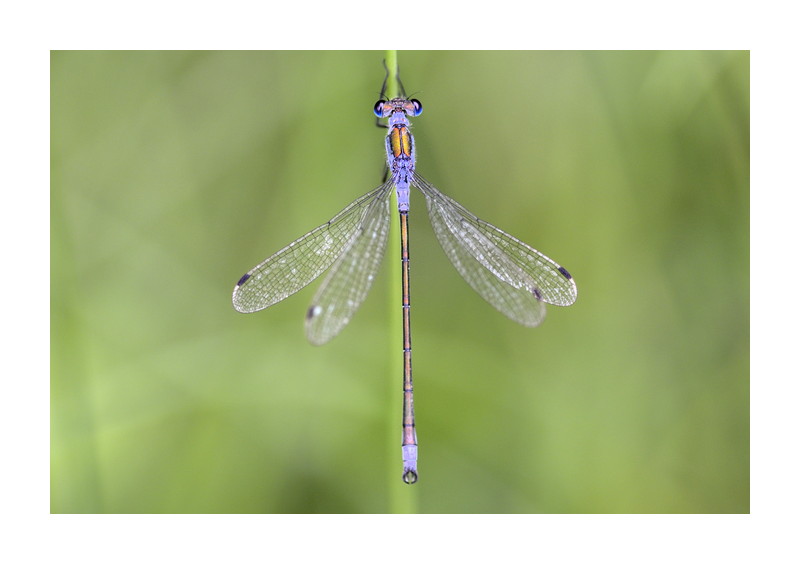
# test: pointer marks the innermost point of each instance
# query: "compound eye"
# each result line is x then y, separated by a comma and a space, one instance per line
378, 109
417, 106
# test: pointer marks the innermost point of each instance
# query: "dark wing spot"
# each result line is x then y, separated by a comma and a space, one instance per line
566, 274
537, 294
243, 279
312, 312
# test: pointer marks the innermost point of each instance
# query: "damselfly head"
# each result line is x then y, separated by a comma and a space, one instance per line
385, 108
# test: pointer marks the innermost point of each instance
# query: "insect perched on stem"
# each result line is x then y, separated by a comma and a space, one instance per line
512, 276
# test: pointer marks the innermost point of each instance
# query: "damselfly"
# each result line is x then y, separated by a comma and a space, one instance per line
512, 276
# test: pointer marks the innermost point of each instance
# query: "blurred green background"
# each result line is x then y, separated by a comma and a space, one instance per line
173, 173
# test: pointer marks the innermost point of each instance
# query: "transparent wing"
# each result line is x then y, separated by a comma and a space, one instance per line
347, 284
296, 265
512, 276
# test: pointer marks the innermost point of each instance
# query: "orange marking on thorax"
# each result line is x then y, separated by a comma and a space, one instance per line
400, 139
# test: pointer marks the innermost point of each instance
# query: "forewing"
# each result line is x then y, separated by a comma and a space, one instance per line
512, 276
296, 265
347, 284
